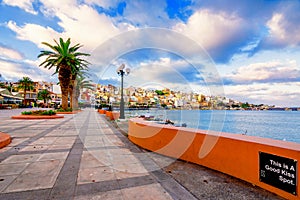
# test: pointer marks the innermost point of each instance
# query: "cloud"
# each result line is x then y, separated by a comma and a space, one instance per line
279, 94
163, 72
10, 70
283, 32
272, 72
216, 32
11, 54
87, 25
13, 71
282, 27
107, 81
33, 32
53, 7
23, 4
149, 13
104, 3
81, 23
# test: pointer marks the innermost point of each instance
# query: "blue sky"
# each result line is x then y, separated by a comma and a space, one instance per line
253, 46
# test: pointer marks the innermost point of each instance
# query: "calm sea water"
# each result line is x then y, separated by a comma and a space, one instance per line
279, 125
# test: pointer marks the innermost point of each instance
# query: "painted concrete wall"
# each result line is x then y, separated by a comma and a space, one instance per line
233, 154
112, 115
102, 111
5, 139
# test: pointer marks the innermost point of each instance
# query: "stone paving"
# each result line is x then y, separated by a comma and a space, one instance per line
78, 157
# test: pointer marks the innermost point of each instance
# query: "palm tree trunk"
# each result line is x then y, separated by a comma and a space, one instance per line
75, 100
64, 98
64, 79
24, 97
76, 103
71, 90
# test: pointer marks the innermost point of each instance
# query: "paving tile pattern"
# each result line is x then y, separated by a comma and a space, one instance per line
78, 157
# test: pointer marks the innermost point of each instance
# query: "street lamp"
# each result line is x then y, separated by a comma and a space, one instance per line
121, 72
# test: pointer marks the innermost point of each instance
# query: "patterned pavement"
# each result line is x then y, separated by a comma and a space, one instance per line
78, 157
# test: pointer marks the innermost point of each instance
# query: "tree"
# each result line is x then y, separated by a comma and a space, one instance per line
73, 88
164, 105
81, 83
67, 61
25, 84
44, 95
245, 105
159, 92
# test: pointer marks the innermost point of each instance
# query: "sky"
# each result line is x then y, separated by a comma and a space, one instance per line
245, 50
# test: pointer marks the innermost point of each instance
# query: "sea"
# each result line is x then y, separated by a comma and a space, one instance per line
278, 125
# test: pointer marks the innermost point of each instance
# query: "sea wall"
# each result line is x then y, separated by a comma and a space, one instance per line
102, 111
112, 115
267, 163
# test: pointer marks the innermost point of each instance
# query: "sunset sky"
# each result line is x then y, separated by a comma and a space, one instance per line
253, 46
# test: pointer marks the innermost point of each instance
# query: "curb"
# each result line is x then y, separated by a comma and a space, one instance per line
73, 112
5, 139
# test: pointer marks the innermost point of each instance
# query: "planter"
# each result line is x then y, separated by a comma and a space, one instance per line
101, 111
5, 139
112, 115
37, 117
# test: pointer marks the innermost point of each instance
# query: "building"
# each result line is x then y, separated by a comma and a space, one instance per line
8, 99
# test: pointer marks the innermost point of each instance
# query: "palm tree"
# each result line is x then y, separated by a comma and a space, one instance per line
73, 88
44, 95
25, 84
67, 61
81, 83
73, 85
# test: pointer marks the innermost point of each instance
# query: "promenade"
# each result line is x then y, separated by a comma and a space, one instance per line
78, 157
83, 156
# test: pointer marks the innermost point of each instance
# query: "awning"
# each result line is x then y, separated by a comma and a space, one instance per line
10, 96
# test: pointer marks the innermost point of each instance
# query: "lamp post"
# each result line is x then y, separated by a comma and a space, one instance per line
122, 72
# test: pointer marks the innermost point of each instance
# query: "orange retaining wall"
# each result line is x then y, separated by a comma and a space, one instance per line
102, 111
5, 139
233, 154
29, 117
112, 115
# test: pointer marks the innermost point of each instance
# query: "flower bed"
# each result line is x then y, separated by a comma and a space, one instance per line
5, 139
38, 114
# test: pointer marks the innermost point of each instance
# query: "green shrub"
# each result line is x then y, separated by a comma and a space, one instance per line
26, 113
39, 112
62, 110
49, 112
